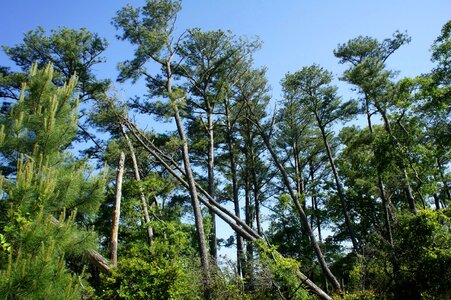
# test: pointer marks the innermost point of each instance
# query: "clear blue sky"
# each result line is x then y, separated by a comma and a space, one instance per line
295, 33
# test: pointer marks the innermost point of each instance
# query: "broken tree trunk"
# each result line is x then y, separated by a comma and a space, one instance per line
117, 209
141, 192
95, 257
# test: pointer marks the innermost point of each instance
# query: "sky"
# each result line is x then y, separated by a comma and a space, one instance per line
295, 33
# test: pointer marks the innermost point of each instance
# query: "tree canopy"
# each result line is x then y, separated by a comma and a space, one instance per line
327, 197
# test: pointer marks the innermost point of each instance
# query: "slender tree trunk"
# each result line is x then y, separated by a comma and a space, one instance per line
380, 183
240, 260
446, 192
408, 191
303, 216
236, 204
196, 206
341, 195
407, 187
255, 188
117, 209
385, 209
249, 216
198, 219
298, 172
211, 186
315, 214
436, 201
141, 192
300, 188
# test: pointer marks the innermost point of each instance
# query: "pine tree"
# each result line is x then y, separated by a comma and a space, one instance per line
47, 194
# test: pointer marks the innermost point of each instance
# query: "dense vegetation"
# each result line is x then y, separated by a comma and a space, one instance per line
320, 209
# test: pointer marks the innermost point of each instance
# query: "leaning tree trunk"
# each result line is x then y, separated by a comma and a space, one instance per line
380, 182
303, 216
117, 209
141, 192
341, 195
198, 219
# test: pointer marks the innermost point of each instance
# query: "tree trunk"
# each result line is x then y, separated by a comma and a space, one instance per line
255, 190
211, 186
198, 219
339, 188
380, 183
304, 219
240, 260
99, 261
141, 192
298, 171
117, 209
436, 201
407, 188
314, 201
385, 209
249, 217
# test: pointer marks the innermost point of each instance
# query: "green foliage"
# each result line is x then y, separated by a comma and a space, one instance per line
149, 28
135, 278
163, 271
360, 295
39, 276
44, 181
48, 198
72, 52
311, 87
421, 256
283, 274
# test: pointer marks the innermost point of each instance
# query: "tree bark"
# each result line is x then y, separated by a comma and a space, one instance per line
240, 259
407, 187
141, 192
304, 219
315, 214
211, 186
100, 261
198, 219
339, 188
117, 209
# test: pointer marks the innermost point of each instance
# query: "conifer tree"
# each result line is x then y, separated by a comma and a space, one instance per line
48, 195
